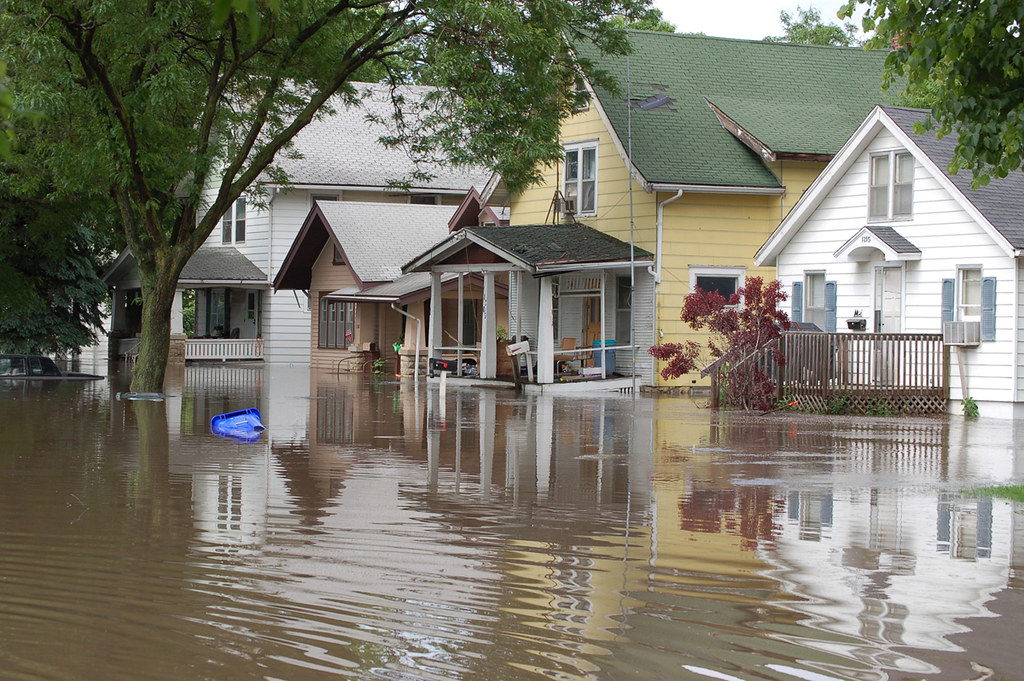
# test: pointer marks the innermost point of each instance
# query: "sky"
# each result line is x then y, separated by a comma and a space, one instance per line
749, 19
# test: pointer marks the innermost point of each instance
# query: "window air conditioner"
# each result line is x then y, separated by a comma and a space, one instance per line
961, 333
568, 207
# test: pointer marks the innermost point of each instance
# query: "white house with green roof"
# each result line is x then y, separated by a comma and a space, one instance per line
720, 137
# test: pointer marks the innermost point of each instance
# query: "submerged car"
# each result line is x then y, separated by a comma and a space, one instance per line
37, 367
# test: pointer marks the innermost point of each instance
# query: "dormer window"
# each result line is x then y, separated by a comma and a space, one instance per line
891, 195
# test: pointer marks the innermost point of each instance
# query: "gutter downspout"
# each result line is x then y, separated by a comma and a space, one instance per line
655, 271
419, 339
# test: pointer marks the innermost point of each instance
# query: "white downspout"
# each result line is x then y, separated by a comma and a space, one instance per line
419, 338
655, 271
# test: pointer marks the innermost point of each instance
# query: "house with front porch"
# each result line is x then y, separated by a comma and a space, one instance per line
888, 239
336, 158
717, 141
569, 277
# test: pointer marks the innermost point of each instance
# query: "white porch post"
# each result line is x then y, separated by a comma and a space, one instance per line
118, 321
178, 314
489, 342
545, 334
461, 326
435, 316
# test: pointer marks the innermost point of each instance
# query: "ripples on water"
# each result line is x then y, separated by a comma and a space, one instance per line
381, 532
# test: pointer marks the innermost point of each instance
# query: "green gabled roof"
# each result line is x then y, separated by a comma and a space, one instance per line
797, 99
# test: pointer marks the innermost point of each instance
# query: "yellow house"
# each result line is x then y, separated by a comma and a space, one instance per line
721, 137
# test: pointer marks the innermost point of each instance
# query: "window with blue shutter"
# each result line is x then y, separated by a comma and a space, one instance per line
947, 301
830, 306
797, 314
988, 308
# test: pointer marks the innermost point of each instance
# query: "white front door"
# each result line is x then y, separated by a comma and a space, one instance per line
888, 299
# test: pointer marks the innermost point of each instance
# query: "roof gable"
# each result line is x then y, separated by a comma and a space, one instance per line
793, 98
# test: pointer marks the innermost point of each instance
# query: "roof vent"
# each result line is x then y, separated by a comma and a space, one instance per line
654, 102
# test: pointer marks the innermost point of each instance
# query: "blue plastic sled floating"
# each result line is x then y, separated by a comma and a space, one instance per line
243, 426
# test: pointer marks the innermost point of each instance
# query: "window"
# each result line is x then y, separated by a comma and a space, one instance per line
234, 221
814, 298
969, 294
580, 188
337, 323
891, 194
323, 197
339, 257
424, 199
623, 304
725, 280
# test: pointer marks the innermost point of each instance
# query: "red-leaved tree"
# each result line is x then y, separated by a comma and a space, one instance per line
742, 330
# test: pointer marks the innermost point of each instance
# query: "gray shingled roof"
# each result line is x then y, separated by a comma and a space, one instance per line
1000, 202
801, 99
343, 148
378, 238
220, 263
539, 245
893, 239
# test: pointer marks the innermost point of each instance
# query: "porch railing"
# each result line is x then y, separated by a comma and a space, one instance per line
223, 348
905, 372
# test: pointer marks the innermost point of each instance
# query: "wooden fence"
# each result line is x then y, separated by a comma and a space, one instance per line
901, 372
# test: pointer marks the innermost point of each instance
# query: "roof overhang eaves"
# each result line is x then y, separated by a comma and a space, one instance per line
315, 186
717, 189
247, 283
858, 248
554, 266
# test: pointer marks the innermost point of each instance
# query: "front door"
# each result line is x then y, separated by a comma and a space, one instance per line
888, 299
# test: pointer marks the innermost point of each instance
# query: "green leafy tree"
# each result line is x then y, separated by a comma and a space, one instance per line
807, 28
964, 61
175, 108
51, 296
649, 20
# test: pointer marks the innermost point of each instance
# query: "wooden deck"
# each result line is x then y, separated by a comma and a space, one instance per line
901, 372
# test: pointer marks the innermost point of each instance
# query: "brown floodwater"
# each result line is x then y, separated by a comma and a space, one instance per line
378, 530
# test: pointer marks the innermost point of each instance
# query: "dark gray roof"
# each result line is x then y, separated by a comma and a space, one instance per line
220, 263
893, 239
552, 244
1000, 202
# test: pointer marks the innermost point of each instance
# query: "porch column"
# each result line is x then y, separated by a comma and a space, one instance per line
604, 331
489, 342
118, 322
545, 334
177, 314
434, 341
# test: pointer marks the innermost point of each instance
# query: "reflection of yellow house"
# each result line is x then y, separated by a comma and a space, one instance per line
722, 137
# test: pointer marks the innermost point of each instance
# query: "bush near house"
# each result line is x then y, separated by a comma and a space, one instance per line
744, 331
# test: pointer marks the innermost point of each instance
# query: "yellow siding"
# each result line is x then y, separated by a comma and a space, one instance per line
699, 229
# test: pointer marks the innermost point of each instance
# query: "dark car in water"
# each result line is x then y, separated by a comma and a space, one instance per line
37, 367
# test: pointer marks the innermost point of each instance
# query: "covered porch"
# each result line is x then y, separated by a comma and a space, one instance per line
575, 296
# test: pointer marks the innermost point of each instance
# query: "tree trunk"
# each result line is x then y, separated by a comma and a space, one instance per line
158, 290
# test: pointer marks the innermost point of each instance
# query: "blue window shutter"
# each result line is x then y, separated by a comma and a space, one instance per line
830, 306
947, 301
988, 308
798, 302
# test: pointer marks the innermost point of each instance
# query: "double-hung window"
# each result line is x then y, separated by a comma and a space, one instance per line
233, 223
337, 323
580, 186
814, 298
891, 193
968, 303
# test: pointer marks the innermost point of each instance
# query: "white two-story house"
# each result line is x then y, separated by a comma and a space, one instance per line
227, 285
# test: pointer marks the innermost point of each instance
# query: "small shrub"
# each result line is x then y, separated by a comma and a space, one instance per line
970, 407
840, 404
880, 407
377, 366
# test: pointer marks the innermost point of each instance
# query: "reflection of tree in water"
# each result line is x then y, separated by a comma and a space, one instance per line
311, 491
748, 512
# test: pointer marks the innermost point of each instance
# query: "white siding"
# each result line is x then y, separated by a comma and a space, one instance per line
947, 237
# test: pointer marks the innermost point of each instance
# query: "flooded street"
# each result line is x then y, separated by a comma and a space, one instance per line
377, 531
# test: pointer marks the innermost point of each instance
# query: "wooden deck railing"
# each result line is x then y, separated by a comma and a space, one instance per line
907, 372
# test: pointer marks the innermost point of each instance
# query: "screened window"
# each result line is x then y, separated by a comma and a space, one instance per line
580, 187
969, 294
891, 193
623, 304
337, 323
233, 223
